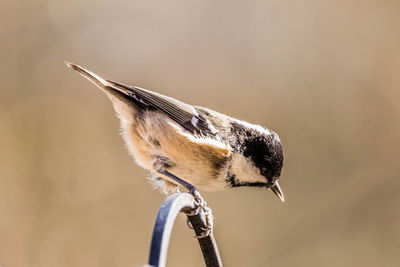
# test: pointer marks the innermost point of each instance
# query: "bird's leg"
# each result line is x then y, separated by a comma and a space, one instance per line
199, 203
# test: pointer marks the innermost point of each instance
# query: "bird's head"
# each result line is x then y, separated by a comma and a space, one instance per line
258, 161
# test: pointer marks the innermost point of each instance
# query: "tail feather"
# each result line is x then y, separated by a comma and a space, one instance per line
123, 104
94, 78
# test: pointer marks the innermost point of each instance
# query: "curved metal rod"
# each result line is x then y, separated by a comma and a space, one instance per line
167, 213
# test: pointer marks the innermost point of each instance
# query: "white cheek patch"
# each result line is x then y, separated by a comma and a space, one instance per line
245, 170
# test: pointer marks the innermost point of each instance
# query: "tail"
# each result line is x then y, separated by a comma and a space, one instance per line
120, 98
95, 79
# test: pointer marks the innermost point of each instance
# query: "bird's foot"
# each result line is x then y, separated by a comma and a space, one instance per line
200, 204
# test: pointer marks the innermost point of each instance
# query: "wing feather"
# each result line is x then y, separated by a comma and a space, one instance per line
138, 98
183, 114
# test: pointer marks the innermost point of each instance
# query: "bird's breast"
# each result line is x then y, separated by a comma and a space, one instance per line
156, 142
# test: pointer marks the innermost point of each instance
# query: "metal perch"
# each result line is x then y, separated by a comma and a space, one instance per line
167, 213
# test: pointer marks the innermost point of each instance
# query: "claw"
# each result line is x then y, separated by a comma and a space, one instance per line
188, 223
203, 234
193, 212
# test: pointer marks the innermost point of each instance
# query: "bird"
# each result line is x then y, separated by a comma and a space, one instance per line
192, 146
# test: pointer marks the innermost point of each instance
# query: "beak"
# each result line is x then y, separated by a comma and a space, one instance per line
278, 191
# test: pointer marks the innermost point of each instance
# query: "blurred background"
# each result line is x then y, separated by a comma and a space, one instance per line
323, 74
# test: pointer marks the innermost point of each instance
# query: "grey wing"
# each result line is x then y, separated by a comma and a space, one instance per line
183, 114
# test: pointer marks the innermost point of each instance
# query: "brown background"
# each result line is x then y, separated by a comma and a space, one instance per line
323, 74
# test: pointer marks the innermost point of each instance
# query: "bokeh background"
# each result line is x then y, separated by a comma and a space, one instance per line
324, 74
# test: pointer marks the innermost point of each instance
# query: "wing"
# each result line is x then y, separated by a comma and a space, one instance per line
183, 114
134, 97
